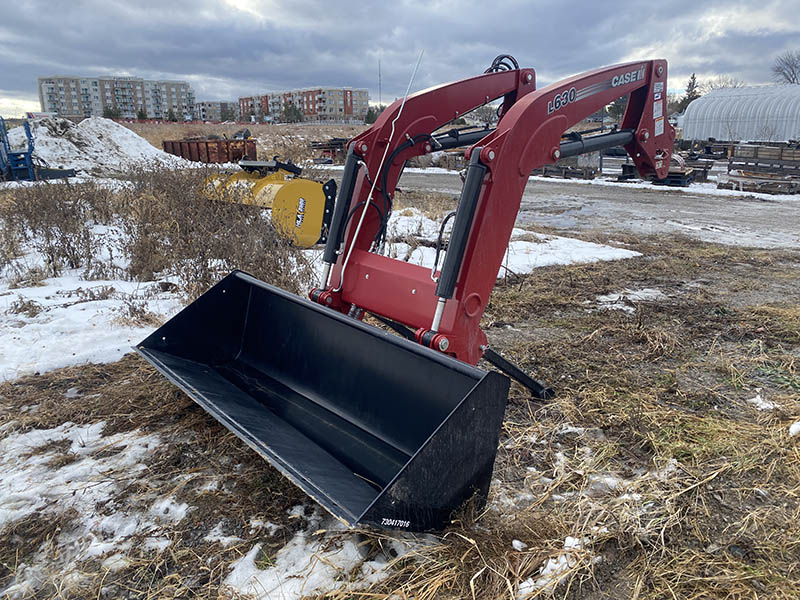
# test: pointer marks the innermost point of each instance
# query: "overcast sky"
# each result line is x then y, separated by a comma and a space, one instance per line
232, 48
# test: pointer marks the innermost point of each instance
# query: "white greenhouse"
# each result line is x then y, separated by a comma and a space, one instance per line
769, 113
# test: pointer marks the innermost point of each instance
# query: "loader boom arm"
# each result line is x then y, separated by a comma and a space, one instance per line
445, 313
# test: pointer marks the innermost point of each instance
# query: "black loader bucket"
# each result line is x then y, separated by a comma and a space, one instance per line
377, 429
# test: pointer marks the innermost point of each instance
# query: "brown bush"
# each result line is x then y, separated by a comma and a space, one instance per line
169, 227
173, 227
56, 220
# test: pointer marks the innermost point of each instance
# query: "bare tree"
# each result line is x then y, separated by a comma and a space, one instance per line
485, 114
720, 82
673, 103
786, 68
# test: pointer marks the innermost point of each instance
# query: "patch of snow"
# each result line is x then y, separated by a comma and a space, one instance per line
169, 510
518, 545
627, 299
555, 570
256, 524
761, 404
217, 535
411, 222
95, 146
71, 328
794, 429
313, 562
33, 482
30, 483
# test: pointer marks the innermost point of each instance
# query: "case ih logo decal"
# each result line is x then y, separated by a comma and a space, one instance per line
628, 77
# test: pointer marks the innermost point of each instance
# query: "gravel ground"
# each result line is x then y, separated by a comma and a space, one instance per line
577, 206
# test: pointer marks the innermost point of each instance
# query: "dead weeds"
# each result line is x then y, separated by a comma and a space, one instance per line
652, 462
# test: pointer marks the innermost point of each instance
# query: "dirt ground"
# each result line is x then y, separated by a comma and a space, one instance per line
570, 206
665, 457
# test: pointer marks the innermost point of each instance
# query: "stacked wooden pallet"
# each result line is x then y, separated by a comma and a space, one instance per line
761, 168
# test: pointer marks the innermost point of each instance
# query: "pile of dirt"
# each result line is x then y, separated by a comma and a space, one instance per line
95, 146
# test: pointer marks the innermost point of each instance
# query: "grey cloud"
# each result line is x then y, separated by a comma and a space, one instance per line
226, 52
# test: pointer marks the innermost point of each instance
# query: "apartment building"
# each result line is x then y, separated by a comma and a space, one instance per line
315, 104
216, 111
127, 96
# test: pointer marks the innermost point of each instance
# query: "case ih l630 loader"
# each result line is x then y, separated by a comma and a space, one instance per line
386, 430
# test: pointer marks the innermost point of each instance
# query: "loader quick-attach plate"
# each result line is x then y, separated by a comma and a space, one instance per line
377, 429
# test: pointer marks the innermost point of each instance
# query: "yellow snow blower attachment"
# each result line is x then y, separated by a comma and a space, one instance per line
301, 208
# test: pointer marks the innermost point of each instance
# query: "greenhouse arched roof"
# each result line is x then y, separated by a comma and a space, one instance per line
759, 113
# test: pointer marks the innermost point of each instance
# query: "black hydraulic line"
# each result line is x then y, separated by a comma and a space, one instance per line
396, 327
596, 142
338, 222
465, 214
539, 391
384, 175
576, 144
439, 239
456, 138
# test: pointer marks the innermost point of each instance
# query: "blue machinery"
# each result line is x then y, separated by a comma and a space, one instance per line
17, 165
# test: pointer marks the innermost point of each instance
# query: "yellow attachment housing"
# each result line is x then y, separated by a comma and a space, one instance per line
298, 210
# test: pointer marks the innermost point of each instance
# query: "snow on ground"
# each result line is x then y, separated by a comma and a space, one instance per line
311, 564
34, 481
626, 300
69, 321
555, 570
761, 403
95, 146
794, 429
526, 251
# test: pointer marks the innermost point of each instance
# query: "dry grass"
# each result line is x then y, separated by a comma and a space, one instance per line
163, 224
651, 455
289, 141
435, 205
129, 396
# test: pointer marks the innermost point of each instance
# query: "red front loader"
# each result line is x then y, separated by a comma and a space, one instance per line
400, 430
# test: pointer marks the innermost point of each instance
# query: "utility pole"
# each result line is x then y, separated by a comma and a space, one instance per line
380, 96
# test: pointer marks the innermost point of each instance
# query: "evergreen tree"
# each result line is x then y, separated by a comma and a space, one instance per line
171, 115
372, 113
292, 113
616, 110
692, 93
141, 114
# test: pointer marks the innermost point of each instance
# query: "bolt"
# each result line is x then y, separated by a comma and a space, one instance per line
427, 147
528, 77
660, 70
413, 291
363, 147
490, 156
556, 153
443, 344
328, 300
366, 276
